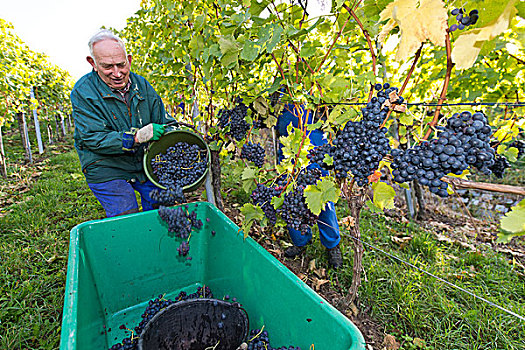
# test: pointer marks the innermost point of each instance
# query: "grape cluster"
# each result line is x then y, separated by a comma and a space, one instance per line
262, 196
294, 211
462, 143
463, 19
183, 248
359, 147
253, 152
181, 165
500, 164
154, 306
235, 119
179, 222
168, 197
260, 340
308, 177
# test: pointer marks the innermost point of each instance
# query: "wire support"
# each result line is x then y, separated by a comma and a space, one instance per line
435, 104
436, 277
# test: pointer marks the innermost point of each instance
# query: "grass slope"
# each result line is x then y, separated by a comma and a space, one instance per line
420, 311
34, 238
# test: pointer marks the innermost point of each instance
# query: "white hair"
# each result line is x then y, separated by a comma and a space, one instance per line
104, 34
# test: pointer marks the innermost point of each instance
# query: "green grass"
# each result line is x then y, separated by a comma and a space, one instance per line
34, 238
411, 303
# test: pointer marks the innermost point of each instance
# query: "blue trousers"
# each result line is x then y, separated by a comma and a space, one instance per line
327, 223
118, 196
328, 229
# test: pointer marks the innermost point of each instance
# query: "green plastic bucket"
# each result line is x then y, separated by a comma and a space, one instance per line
116, 265
167, 140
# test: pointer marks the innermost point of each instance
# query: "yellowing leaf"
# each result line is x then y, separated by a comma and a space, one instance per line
513, 222
383, 195
418, 20
318, 195
468, 45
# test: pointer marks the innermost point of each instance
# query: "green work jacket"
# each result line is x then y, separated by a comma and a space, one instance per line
101, 118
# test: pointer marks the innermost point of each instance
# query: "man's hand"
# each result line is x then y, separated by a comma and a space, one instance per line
150, 132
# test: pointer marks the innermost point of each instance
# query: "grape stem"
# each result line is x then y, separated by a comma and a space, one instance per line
333, 43
405, 83
365, 33
443, 96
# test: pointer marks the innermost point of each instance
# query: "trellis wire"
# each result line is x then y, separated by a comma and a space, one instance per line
435, 104
436, 277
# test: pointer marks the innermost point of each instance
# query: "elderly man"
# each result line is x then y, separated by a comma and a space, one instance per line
116, 113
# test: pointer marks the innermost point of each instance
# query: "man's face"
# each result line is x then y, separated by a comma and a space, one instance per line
111, 63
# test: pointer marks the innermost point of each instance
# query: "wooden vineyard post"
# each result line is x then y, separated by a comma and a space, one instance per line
69, 123
355, 200
57, 129
216, 179
37, 126
3, 163
63, 126
356, 204
22, 127
50, 134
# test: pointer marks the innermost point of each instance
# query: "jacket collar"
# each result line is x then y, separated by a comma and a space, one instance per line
107, 92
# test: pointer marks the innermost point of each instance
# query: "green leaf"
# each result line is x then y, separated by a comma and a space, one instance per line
373, 208
383, 195
308, 50
406, 119
248, 177
276, 38
256, 7
328, 160
511, 153
261, 105
318, 195
249, 51
251, 214
277, 202
513, 222
228, 45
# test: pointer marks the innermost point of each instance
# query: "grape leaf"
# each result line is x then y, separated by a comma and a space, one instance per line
249, 51
248, 176
251, 213
373, 208
383, 195
277, 202
416, 24
318, 195
511, 153
276, 37
513, 222
469, 44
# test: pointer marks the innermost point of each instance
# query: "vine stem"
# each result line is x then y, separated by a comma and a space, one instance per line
365, 33
332, 45
405, 83
282, 73
443, 96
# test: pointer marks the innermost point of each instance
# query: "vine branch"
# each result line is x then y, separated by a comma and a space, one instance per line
405, 83
445, 87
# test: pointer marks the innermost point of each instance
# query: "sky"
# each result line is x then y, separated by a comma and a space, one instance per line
61, 28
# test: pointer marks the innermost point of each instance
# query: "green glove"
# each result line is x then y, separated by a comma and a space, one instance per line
158, 131
150, 132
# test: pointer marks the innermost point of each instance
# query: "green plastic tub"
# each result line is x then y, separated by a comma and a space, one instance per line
117, 265
167, 140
